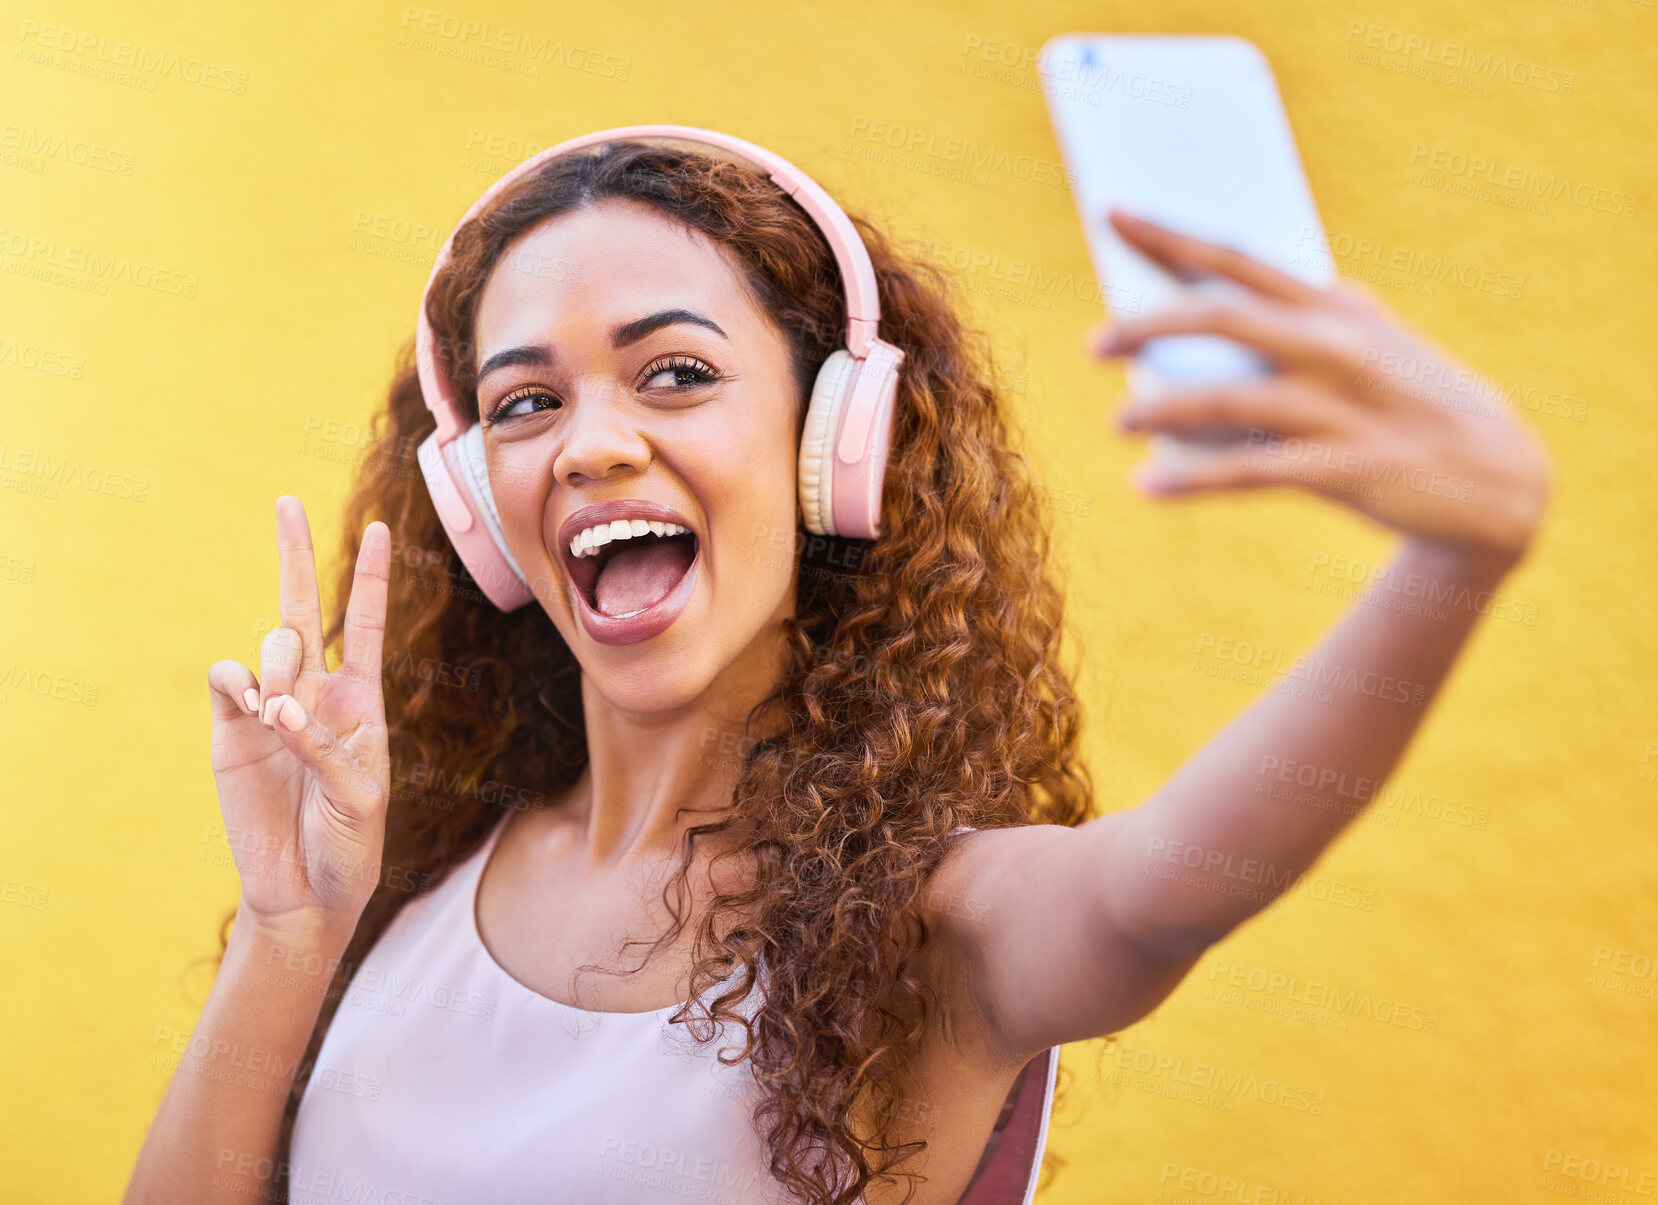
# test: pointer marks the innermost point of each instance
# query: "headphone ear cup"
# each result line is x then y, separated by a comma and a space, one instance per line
470, 446
457, 478
817, 443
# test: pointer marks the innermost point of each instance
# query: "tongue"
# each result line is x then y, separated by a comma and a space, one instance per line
640, 574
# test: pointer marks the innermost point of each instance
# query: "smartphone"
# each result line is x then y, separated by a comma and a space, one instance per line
1187, 131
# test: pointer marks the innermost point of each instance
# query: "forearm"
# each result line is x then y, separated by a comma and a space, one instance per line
215, 1135
1251, 811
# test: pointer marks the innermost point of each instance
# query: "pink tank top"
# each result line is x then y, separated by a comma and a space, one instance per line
442, 1079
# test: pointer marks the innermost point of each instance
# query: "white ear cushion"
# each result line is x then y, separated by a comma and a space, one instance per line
817, 451
470, 447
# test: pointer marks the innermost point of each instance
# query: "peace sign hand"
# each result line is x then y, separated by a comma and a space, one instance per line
300, 754
1359, 407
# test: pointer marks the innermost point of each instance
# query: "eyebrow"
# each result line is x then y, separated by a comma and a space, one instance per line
541, 354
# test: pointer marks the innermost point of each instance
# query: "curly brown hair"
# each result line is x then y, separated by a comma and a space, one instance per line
922, 688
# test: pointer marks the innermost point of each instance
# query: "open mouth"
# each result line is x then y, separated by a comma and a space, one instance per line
627, 566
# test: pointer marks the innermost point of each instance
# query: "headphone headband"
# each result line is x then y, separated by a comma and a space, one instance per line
863, 307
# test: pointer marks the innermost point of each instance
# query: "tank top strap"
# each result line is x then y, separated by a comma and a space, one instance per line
1012, 1160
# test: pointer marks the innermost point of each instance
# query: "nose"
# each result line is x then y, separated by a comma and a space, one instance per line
600, 435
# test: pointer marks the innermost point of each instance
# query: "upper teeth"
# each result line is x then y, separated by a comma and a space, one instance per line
592, 538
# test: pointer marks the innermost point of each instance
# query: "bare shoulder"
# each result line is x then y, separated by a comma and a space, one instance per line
1024, 950
960, 887
983, 863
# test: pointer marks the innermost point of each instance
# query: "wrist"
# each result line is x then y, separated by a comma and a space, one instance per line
1474, 565
314, 938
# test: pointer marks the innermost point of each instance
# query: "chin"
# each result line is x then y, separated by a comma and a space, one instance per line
648, 686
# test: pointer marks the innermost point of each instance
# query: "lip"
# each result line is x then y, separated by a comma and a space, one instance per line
620, 508
657, 617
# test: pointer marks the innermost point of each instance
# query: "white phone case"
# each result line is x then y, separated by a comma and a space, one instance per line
1187, 131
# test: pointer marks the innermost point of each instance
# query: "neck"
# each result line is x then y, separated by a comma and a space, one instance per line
643, 767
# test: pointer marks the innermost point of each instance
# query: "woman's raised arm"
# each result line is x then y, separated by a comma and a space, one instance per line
300, 759
1108, 917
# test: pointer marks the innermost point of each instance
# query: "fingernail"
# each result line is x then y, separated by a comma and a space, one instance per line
291, 714
250, 700
268, 716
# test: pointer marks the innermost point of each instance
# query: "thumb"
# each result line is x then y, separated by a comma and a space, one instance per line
349, 777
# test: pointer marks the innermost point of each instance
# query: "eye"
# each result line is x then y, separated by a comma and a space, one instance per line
506, 405
687, 372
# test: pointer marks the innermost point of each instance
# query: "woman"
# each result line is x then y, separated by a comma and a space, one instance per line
835, 796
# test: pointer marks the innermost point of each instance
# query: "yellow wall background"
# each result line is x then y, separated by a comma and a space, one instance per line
1510, 864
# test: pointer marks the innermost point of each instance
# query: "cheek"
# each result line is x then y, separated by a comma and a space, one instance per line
757, 462
749, 482
510, 472
518, 480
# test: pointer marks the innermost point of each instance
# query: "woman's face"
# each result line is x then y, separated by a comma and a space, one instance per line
628, 377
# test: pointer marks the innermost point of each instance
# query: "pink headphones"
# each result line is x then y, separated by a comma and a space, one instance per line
843, 450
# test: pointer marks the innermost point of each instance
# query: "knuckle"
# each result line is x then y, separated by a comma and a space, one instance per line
371, 675
228, 675
1197, 408
279, 640
1354, 295
1303, 393
300, 603
1215, 407
1230, 320
1351, 356
1124, 330
1211, 312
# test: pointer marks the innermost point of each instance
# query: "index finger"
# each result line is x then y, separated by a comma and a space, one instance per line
365, 613
1186, 256
298, 600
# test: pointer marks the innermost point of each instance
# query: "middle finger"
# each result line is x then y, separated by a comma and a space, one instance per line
1282, 404
1292, 339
